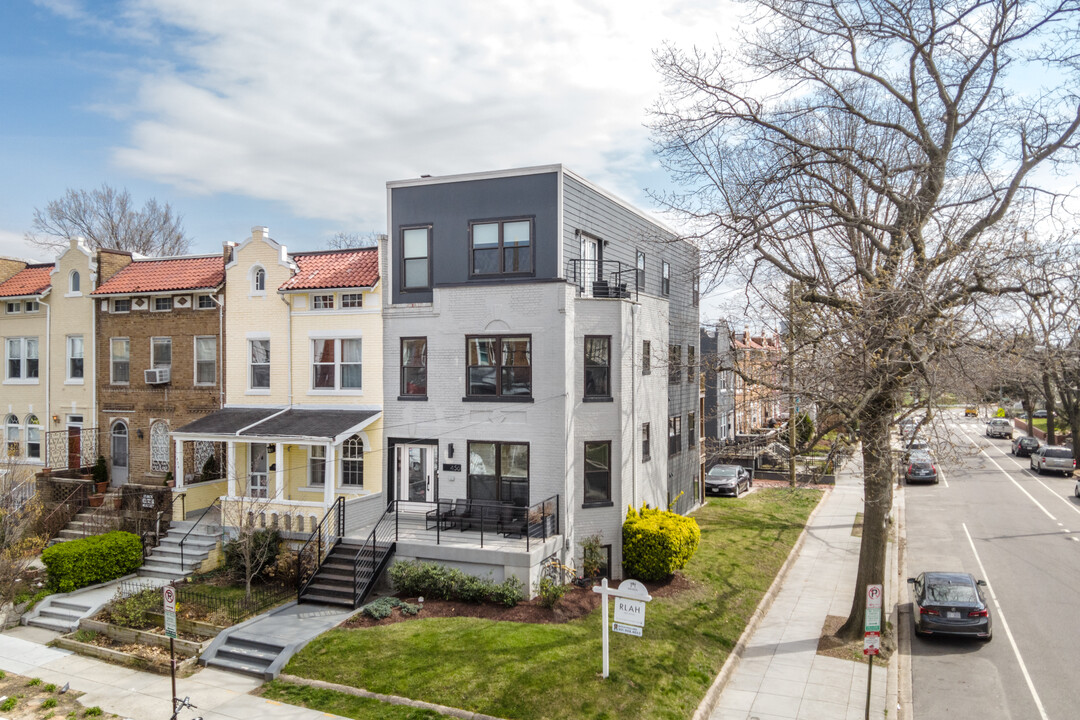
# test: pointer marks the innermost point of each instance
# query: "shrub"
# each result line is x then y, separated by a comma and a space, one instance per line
94, 711
550, 592
34, 681
285, 567
49, 688
422, 579
48, 703
593, 557
509, 592
656, 543
265, 544
100, 471
8, 704
381, 608
473, 589
100, 558
131, 611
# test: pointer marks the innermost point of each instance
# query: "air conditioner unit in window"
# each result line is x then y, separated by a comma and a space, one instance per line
156, 376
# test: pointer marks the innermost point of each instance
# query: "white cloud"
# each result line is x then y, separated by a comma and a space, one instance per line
12, 245
316, 105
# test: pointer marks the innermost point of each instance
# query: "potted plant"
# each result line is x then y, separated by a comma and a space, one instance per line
169, 482
96, 499
100, 474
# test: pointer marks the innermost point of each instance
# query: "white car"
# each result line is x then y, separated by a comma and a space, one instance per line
1055, 459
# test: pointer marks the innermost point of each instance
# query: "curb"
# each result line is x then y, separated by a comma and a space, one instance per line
904, 707
712, 695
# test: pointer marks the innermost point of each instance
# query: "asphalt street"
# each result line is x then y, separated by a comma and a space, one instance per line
991, 516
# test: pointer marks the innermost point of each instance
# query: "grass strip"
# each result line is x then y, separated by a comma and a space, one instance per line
521, 670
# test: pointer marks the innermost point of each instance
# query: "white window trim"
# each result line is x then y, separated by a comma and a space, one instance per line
195, 360
252, 292
18, 307
160, 337
112, 380
18, 427
213, 303
310, 484
68, 379
337, 389
113, 309
28, 311
40, 441
250, 377
333, 301
71, 292
342, 297
153, 303
22, 380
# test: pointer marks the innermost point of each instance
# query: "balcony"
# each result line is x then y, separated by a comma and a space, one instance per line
603, 279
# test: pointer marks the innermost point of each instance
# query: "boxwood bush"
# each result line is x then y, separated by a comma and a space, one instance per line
99, 558
657, 542
415, 579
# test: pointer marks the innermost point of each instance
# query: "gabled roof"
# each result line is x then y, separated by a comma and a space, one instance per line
358, 268
165, 275
32, 280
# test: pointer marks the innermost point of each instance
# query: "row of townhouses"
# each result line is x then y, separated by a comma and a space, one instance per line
523, 341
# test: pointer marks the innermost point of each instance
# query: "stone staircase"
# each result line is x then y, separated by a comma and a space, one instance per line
164, 561
247, 656
88, 521
62, 616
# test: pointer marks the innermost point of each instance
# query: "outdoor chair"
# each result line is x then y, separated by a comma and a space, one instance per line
444, 511
513, 521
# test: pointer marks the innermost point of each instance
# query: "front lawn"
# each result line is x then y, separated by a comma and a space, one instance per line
521, 670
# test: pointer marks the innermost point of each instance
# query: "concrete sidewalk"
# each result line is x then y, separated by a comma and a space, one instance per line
139, 695
780, 675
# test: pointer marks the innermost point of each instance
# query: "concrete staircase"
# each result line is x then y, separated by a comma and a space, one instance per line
88, 521
248, 656
62, 616
164, 561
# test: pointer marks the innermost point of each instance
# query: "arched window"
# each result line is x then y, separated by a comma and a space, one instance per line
33, 437
159, 447
75, 282
258, 280
14, 446
352, 462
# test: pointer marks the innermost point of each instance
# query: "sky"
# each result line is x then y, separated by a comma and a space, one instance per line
294, 115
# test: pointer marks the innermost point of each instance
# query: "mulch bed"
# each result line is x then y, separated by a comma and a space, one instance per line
576, 603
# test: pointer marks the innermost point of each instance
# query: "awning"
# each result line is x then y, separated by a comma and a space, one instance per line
278, 424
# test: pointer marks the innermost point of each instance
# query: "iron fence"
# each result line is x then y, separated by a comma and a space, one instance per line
74, 448
237, 608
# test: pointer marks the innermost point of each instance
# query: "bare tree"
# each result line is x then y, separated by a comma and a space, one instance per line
19, 514
251, 531
351, 240
872, 153
108, 218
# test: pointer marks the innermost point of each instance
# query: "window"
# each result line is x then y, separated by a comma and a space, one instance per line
691, 429
22, 358
646, 357
74, 282
640, 270
159, 447
161, 352
598, 367
501, 247
646, 441
259, 367
75, 357
415, 245
499, 366
322, 302
162, 304
32, 306
674, 363
33, 437
414, 366
12, 437
316, 465
598, 473
258, 281
352, 462
691, 364
205, 360
336, 364
695, 286
205, 302
499, 471
14, 307
674, 435
120, 361
121, 305
352, 300
665, 278
259, 475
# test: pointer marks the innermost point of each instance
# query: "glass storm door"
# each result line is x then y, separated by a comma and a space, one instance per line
119, 453
590, 250
416, 472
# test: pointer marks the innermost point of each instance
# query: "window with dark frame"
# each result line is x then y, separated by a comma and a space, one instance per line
502, 247
499, 471
499, 366
605, 551
691, 429
640, 270
598, 366
206, 302
162, 304
121, 305
674, 435
691, 364
646, 357
414, 366
665, 278
646, 441
415, 258
597, 473
674, 363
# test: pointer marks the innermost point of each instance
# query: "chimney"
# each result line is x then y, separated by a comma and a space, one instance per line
227, 251
110, 262
9, 267
260, 232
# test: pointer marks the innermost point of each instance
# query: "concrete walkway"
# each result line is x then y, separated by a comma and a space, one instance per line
780, 675
140, 695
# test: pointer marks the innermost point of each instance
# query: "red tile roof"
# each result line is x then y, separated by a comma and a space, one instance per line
32, 280
166, 274
335, 269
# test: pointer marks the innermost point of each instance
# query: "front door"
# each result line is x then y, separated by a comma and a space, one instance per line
74, 430
590, 252
119, 453
416, 472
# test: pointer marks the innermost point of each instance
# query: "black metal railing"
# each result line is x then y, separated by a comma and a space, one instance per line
373, 557
319, 544
603, 278
488, 517
237, 608
75, 497
183, 540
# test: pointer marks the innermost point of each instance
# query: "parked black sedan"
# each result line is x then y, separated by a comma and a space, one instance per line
950, 603
727, 479
1024, 445
921, 468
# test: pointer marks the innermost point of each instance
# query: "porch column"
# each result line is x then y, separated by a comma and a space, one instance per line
279, 471
331, 474
178, 466
230, 468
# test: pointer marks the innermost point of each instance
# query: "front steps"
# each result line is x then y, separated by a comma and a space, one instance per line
164, 560
62, 616
247, 656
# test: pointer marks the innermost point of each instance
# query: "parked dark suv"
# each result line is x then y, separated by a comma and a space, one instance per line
1024, 445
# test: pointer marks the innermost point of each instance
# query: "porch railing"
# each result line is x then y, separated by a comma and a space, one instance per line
539, 521
183, 540
603, 278
374, 554
71, 450
319, 544
71, 503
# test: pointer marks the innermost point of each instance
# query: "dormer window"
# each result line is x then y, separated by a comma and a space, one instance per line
74, 282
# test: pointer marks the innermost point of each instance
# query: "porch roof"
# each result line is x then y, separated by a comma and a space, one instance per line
327, 425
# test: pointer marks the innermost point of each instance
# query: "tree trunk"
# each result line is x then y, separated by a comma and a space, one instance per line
1048, 392
878, 473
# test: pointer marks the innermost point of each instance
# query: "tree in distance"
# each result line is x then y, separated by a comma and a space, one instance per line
108, 219
351, 240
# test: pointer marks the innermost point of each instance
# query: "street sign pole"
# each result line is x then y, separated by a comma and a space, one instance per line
168, 596
872, 635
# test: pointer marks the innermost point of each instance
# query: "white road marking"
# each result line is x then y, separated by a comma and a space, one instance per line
1005, 626
1027, 471
941, 475
1011, 478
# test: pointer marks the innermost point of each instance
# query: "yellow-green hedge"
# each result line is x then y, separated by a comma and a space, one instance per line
656, 542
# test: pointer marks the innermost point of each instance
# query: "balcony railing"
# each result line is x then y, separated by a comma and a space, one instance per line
481, 519
74, 448
603, 278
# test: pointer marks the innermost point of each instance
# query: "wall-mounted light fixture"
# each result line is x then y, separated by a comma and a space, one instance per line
138, 433
56, 418
450, 450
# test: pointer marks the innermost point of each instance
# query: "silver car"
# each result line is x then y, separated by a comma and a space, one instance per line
1000, 428
1055, 459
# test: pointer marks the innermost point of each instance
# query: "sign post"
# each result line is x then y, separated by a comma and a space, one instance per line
168, 594
630, 598
872, 636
